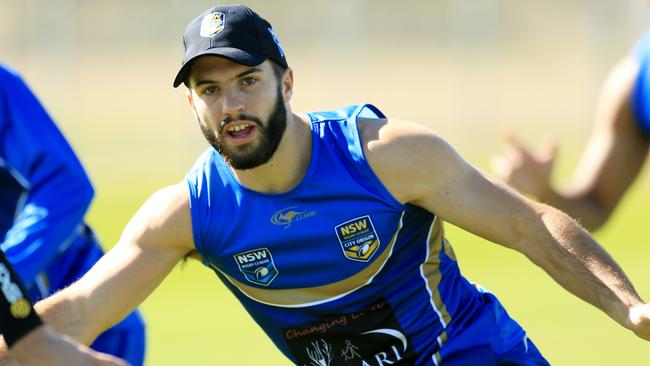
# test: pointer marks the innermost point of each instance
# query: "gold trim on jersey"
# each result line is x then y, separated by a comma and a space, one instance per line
309, 296
431, 272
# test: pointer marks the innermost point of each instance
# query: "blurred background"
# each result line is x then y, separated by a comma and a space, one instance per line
471, 70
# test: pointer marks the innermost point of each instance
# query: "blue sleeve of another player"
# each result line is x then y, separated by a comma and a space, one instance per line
58, 189
641, 91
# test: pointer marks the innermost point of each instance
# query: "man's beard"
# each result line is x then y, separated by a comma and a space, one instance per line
256, 153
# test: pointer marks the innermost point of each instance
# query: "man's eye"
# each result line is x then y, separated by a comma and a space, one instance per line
249, 81
210, 90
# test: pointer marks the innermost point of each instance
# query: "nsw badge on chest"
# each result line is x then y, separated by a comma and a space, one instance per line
358, 238
257, 266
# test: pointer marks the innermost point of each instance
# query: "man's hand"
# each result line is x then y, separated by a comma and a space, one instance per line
44, 347
526, 170
640, 321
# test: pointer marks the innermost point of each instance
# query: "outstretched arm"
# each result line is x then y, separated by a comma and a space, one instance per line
444, 183
615, 153
156, 238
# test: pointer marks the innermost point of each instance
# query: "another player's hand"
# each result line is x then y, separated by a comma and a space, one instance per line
44, 347
640, 320
526, 170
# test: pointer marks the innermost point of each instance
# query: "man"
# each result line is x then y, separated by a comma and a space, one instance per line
615, 152
31, 342
326, 230
44, 195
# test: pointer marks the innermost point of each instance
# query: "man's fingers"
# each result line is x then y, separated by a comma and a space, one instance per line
522, 150
546, 153
513, 140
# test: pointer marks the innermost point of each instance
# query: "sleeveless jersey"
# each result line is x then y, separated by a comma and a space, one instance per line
336, 271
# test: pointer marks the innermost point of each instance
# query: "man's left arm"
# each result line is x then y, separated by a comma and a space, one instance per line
443, 183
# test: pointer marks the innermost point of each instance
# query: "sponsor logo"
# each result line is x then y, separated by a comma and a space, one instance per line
289, 215
321, 353
392, 355
19, 306
257, 266
370, 337
358, 238
212, 24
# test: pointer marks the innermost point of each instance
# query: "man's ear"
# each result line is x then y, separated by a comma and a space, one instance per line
190, 99
287, 84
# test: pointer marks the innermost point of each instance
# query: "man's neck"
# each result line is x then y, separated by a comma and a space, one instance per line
289, 163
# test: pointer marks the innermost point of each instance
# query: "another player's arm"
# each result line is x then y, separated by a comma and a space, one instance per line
156, 238
614, 155
420, 168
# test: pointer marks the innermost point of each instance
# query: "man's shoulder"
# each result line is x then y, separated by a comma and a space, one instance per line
170, 198
164, 214
388, 136
400, 151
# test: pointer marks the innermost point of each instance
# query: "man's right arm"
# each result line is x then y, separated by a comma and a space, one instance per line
30, 340
156, 238
444, 183
614, 155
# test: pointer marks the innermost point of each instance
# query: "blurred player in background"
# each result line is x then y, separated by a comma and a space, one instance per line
327, 226
44, 195
615, 152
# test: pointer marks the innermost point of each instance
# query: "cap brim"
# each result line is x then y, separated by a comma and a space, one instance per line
234, 54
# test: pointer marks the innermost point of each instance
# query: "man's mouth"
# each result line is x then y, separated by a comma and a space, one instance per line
239, 131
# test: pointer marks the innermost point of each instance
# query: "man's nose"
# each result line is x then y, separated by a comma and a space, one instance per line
233, 102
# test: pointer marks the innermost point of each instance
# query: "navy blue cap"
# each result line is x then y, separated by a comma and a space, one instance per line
231, 31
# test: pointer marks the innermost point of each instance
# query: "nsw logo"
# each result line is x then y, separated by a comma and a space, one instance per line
257, 266
212, 24
358, 238
289, 215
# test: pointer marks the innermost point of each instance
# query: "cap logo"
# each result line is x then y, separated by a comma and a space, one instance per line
212, 24
277, 41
